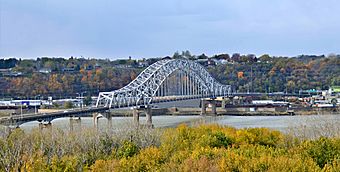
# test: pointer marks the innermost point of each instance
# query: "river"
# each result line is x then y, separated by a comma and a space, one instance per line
282, 123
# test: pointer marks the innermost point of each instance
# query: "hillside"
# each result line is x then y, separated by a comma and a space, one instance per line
61, 77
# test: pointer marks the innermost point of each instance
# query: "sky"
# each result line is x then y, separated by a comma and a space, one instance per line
157, 28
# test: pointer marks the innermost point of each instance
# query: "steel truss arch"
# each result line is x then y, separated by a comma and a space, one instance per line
142, 90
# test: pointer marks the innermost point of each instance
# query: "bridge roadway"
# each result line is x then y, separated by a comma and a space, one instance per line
17, 120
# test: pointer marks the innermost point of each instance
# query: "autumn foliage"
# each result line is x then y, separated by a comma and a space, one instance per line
244, 73
201, 148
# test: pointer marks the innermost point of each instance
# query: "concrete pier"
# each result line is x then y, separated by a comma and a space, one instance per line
135, 115
148, 114
223, 103
10, 129
108, 116
47, 126
203, 107
212, 103
213, 107
96, 117
73, 121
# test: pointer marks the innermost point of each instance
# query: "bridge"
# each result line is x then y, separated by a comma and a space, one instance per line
20, 119
164, 80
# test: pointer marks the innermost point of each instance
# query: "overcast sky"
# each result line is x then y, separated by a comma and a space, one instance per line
154, 28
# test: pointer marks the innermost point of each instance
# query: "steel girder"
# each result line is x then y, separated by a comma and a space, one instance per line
142, 89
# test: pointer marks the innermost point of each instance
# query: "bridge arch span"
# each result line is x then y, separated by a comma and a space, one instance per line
148, 85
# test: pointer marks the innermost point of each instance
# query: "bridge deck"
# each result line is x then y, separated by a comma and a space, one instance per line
19, 119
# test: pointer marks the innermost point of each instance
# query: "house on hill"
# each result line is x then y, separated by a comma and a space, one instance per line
68, 69
45, 70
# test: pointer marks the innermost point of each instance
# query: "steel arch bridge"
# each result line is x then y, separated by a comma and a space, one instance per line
165, 80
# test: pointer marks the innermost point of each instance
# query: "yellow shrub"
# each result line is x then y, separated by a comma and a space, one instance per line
236, 161
207, 152
148, 159
261, 136
202, 164
332, 167
105, 166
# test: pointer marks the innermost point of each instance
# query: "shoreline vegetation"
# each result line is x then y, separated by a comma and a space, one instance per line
198, 147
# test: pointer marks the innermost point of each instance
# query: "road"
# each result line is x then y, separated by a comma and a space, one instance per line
19, 119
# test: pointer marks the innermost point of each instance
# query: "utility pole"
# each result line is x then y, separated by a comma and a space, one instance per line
251, 78
35, 104
21, 109
77, 98
80, 98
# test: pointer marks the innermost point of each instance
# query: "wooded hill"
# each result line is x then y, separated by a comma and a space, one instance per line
62, 77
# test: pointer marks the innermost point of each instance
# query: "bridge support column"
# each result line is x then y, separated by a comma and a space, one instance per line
213, 107
135, 115
223, 103
204, 104
74, 121
203, 107
10, 129
71, 123
96, 117
109, 120
148, 114
47, 126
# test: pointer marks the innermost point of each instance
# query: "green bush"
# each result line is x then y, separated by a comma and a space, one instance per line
219, 139
323, 150
68, 105
127, 149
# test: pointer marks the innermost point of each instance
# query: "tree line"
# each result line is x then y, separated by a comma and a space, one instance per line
280, 74
244, 72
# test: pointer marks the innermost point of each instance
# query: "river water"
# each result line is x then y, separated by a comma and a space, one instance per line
282, 123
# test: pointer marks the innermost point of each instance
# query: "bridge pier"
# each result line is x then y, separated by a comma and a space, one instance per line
204, 103
223, 103
213, 107
203, 107
96, 117
135, 115
47, 126
10, 129
108, 116
74, 121
148, 114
